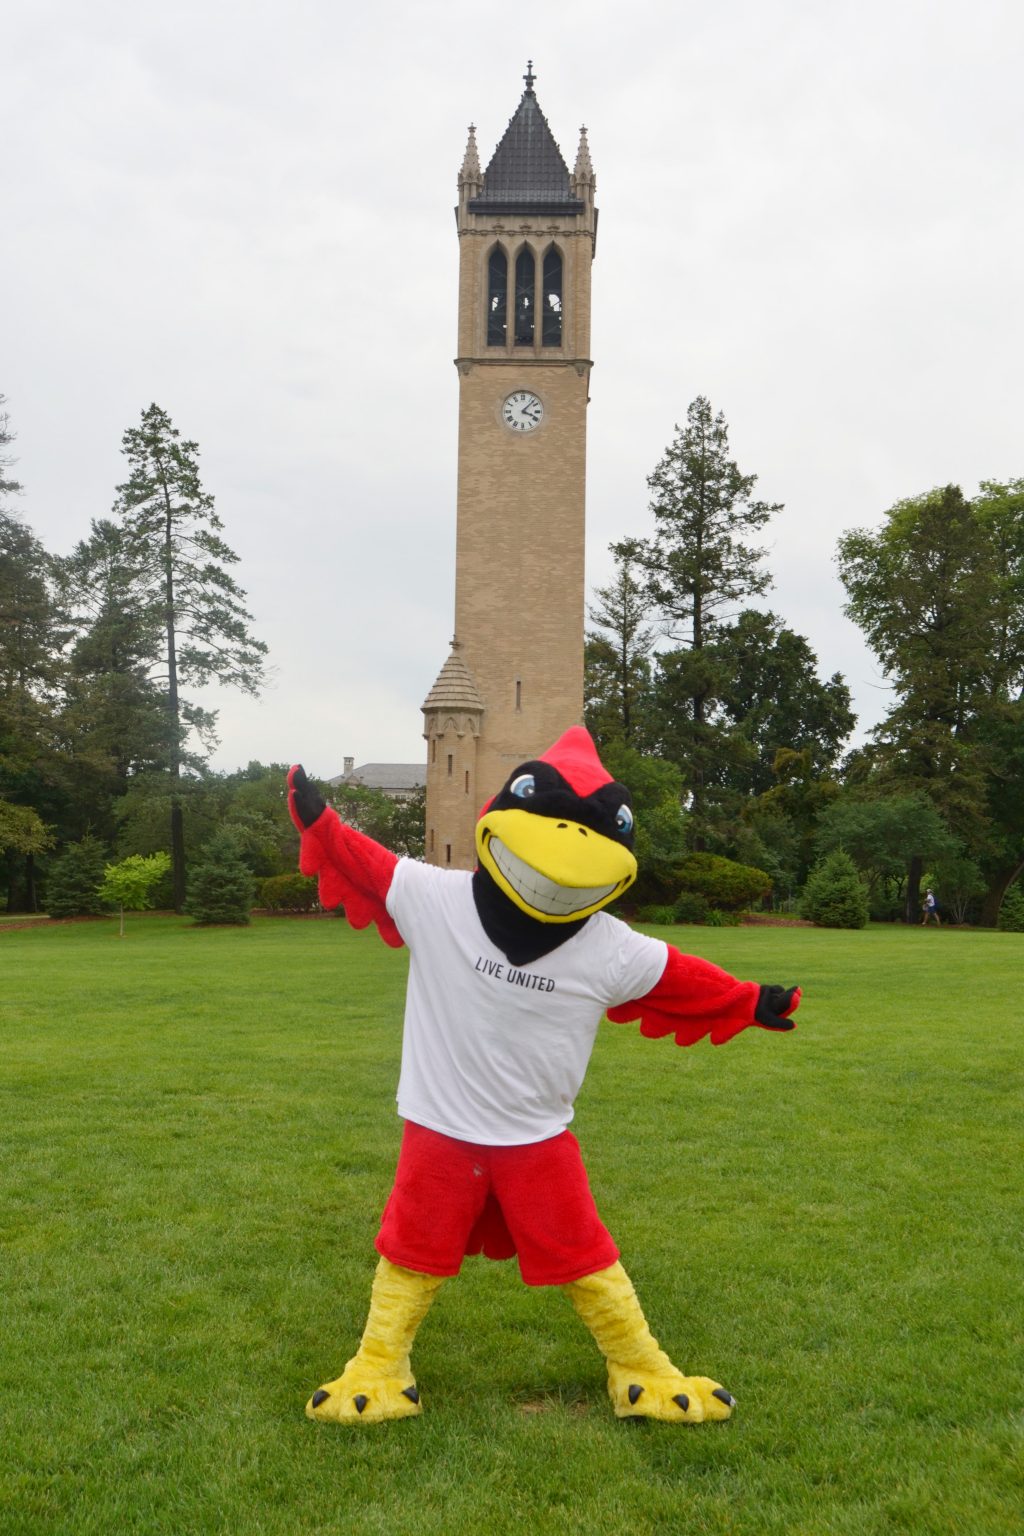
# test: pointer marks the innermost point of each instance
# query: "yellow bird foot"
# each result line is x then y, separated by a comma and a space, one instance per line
669, 1395
362, 1396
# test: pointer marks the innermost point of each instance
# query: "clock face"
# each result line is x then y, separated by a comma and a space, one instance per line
522, 411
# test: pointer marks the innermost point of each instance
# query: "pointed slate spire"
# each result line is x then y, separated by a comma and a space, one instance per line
526, 171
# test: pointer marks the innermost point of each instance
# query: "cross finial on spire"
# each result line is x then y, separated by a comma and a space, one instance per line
529, 77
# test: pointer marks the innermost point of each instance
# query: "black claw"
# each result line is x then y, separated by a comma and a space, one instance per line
319, 1397
682, 1399
360, 1402
412, 1393
634, 1393
724, 1397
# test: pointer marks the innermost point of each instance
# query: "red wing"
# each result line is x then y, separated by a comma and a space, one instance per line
693, 998
354, 872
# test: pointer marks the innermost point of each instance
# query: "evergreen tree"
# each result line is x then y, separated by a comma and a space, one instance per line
74, 880
221, 889
834, 896
8, 485
173, 538
617, 669
112, 720
699, 564
1011, 911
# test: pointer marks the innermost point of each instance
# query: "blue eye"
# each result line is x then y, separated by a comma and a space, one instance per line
523, 787
624, 819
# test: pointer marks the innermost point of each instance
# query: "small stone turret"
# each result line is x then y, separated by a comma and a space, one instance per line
470, 176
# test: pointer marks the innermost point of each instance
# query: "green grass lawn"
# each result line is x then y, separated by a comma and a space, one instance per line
198, 1133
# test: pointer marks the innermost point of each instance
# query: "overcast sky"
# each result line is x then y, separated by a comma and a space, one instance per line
810, 212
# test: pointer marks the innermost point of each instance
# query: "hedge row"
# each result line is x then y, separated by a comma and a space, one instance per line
288, 893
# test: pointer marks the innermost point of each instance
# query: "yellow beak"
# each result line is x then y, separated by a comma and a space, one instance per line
555, 871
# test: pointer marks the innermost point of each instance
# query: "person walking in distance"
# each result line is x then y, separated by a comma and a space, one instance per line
931, 909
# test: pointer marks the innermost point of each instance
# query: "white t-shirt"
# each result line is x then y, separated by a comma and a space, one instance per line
492, 1052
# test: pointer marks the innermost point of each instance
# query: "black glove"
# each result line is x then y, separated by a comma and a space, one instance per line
773, 1004
307, 803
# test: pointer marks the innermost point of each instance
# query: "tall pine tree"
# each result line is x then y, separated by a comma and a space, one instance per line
617, 668
113, 720
173, 540
700, 565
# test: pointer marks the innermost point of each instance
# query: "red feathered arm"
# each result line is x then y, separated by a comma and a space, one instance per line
695, 998
353, 870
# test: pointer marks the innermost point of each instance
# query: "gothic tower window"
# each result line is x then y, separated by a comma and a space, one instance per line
497, 297
526, 280
551, 316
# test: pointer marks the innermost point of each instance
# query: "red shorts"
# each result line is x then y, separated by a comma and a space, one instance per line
453, 1197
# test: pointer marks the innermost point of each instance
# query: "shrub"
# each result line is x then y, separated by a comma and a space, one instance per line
656, 912
73, 884
716, 918
288, 893
722, 882
691, 907
1011, 913
221, 888
834, 896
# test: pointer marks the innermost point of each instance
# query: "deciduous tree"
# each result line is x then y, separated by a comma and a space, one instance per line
129, 886
772, 693
939, 593
30, 644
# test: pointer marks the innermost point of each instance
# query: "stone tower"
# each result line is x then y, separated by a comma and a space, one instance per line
513, 680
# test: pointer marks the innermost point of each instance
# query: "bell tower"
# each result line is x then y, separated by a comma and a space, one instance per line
513, 680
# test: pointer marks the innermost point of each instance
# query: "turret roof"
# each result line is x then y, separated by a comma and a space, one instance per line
454, 688
527, 170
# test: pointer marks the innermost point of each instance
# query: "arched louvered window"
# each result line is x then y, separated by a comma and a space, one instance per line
497, 297
526, 280
551, 317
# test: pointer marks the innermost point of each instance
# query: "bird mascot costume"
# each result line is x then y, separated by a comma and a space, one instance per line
511, 968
